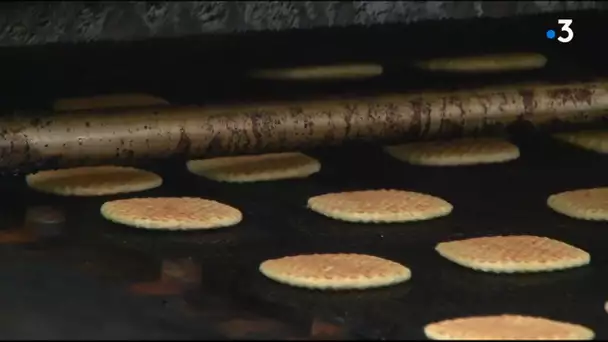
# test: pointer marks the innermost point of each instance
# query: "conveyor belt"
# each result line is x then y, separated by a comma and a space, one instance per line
497, 199
492, 199
45, 300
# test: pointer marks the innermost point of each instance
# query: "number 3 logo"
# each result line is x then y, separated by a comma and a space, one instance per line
566, 28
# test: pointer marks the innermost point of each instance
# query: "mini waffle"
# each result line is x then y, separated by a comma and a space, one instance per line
264, 167
506, 327
584, 204
591, 140
467, 151
108, 101
326, 72
335, 271
487, 63
379, 206
171, 213
93, 181
512, 254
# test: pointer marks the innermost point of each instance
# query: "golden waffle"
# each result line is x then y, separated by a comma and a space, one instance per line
264, 167
584, 204
379, 206
506, 327
108, 101
335, 271
325, 72
487, 63
591, 140
93, 181
171, 213
511, 254
467, 151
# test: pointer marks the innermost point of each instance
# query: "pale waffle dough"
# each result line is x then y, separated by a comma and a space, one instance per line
321, 72
335, 271
379, 206
256, 168
171, 213
93, 180
584, 204
467, 151
513, 254
487, 63
596, 140
108, 101
506, 327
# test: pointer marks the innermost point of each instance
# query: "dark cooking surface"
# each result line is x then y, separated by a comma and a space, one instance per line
491, 199
45, 300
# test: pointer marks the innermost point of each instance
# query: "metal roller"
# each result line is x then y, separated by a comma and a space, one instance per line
39, 141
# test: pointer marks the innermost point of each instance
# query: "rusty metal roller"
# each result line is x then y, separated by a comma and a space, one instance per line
103, 136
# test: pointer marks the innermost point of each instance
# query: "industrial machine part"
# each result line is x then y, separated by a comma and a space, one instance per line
103, 136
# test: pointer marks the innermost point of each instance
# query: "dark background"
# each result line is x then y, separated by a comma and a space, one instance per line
36, 23
211, 68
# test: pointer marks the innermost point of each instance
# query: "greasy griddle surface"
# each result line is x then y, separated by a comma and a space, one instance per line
44, 300
491, 199
85, 223
249, 235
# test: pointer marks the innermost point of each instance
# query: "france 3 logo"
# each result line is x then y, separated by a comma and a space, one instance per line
566, 32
